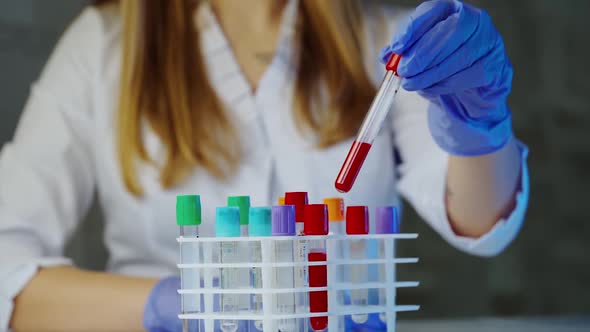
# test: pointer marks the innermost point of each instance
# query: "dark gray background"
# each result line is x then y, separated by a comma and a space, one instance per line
545, 272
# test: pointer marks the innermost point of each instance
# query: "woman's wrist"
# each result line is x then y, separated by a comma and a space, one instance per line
86, 300
482, 189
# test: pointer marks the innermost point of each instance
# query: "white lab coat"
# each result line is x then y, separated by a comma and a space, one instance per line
64, 151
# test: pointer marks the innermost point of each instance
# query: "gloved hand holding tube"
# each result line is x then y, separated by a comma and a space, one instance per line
453, 56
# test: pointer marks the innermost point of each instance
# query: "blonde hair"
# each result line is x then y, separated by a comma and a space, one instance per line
164, 83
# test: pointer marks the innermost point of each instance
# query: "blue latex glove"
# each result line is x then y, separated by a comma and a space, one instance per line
453, 55
373, 324
163, 306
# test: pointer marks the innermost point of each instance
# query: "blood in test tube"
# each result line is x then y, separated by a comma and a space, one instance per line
299, 199
357, 223
370, 127
318, 300
316, 223
352, 165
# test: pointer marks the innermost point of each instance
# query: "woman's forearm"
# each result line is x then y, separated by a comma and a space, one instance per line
69, 299
481, 190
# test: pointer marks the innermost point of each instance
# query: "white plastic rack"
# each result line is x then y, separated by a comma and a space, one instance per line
202, 266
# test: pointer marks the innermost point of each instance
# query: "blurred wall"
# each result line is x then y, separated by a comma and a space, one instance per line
546, 270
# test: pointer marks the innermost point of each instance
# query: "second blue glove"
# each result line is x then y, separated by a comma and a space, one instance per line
163, 306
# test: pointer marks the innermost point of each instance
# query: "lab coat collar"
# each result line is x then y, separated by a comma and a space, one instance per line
224, 71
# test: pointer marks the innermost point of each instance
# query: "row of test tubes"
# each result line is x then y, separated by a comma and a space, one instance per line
293, 216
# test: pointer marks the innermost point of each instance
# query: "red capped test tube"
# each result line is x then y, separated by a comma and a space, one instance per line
357, 223
299, 200
371, 125
316, 223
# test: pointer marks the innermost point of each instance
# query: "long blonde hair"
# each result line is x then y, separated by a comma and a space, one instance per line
164, 84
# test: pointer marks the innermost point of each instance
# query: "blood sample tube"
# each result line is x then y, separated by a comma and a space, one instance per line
316, 223
299, 200
357, 223
370, 127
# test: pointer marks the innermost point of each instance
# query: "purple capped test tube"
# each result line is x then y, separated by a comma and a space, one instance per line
283, 224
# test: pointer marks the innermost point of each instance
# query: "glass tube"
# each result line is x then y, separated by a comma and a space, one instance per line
370, 127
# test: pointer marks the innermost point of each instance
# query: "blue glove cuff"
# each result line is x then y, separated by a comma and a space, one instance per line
459, 134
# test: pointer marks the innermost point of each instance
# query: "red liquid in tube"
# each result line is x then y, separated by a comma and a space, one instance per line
371, 125
352, 165
318, 300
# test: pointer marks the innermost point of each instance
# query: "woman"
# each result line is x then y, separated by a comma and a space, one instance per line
142, 101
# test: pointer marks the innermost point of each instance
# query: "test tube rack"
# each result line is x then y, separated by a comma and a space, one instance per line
205, 265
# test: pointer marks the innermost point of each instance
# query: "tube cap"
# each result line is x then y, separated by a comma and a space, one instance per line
357, 220
316, 219
188, 210
283, 220
260, 222
299, 199
387, 220
243, 202
393, 62
227, 221
281, 200
335, 208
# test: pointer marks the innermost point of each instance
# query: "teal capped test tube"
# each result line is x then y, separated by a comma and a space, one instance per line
227, 224
188, 218
243, 203
259, 224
